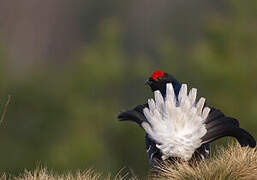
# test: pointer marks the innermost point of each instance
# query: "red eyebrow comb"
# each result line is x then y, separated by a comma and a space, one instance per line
157, 74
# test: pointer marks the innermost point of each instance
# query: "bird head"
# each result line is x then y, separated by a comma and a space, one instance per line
158, 81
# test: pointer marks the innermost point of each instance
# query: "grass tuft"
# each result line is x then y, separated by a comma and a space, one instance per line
44, 174
233, 163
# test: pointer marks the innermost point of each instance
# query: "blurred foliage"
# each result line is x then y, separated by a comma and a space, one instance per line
66, 118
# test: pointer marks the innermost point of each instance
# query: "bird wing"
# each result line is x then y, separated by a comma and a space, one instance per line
135, 115
218, 125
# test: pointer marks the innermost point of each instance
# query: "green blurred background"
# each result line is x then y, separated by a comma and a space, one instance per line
71, 66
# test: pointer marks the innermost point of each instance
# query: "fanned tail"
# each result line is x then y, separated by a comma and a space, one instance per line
218, 126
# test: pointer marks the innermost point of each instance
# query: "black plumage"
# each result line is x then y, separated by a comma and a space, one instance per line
217, 124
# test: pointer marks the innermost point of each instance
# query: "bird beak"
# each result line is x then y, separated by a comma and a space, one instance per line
148, 82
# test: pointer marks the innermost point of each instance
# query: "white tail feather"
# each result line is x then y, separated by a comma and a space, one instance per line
177, 126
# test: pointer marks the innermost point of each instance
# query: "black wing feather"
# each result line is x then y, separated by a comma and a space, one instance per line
221, 122
214, 114
218, 126
135, 115
243, 137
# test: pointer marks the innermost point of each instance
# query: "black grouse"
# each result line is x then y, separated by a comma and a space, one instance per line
177, 126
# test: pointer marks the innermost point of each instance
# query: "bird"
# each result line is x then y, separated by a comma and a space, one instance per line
177, 126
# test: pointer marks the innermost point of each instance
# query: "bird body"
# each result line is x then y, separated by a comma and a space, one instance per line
178, 126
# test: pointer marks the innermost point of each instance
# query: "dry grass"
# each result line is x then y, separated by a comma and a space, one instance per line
232, 163
44, 174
